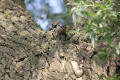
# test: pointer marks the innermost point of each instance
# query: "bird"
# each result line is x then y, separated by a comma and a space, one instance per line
60, 30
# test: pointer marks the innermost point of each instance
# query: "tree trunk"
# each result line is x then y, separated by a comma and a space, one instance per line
28, 53
20, 2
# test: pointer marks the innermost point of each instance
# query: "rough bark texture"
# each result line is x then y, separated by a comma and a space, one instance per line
28, 53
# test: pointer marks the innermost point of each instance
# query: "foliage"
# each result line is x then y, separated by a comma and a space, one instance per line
115, 77
100, 19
